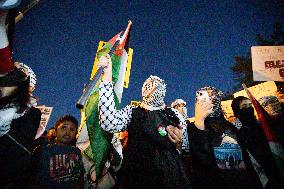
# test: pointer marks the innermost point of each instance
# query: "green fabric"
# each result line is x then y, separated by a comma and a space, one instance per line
100, 140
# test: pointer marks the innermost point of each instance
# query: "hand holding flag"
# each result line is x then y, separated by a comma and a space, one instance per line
114, 46
111, 61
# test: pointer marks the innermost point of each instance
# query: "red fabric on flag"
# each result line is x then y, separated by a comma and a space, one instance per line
261, 115
6, 62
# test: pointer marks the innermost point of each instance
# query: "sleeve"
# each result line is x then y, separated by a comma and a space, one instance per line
112, 120
185, 141
200, 145
34, 117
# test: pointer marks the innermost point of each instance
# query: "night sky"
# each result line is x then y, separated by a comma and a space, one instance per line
189, 44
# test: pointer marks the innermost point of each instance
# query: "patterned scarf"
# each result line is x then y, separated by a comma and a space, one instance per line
271, 104
215, 96
28, 71
153, 93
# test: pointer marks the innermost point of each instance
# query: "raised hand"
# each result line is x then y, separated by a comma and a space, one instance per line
202, 109
106, 63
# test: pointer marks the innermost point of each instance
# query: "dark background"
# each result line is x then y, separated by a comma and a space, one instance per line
190, 44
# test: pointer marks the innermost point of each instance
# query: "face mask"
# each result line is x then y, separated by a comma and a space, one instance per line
211, 94
246, 114
184, 110
153, 92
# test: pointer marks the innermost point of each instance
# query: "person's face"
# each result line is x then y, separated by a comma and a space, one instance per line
51, 132
202, 95
232, 119
246, 103
180, 108
7, 91
65, 133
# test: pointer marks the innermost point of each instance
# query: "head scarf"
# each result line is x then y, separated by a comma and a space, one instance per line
180, 101
271, 104
153, 93
215, 96
28, 71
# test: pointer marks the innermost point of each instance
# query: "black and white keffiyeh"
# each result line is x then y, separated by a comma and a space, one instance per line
215, 97
153, 93
112, 120
185, 140
28, 71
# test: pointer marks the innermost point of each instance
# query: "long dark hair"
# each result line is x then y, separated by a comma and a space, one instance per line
20, 97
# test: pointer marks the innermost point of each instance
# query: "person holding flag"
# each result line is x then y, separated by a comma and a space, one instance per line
151, 159
98, 146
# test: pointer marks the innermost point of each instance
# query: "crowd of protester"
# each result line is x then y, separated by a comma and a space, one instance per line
161, 148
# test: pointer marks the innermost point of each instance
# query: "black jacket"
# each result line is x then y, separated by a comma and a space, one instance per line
211, 172
15, 162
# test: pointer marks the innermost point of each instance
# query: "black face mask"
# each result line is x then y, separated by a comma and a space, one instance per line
246, 115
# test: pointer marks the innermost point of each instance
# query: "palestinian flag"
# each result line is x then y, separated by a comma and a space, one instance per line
100, 140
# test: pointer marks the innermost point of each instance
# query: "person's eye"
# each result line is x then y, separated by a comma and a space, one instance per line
64, 127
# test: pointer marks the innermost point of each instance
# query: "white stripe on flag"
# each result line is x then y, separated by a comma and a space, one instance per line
118, 88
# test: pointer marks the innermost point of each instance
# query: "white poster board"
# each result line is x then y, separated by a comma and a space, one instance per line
45, 115
268, 63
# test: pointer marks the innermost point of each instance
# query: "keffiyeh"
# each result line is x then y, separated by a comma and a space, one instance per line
28, 71
215, 96
153, 93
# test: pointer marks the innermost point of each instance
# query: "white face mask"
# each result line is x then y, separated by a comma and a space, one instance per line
184, 110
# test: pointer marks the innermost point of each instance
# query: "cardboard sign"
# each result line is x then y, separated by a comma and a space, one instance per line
227, 109
135, 103
264, 89
45, 115
268, 63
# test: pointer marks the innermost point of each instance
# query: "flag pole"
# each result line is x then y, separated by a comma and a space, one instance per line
83, 99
